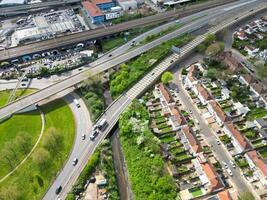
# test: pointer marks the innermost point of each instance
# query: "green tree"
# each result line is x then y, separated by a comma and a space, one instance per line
40, 157
44, 71
52, 139
215, 49
23, 142
209, 39
10, 192
262, 71
166, 77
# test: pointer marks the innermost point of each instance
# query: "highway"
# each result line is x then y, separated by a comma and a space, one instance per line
99, 32
19, 9
113, 112
98, 68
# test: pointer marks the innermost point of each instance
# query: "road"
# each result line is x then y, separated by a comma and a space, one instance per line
114, 110
95, 69
83, 125
220, 152
99, 32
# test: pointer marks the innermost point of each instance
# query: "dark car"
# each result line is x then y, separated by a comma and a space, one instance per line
58, 190
109, 55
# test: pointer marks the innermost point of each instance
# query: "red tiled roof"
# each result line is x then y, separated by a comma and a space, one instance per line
219, 111
191, 73
165, 93
224, 195
258, 162
212, 176
204, 93
178, 116
101, 1
93, 10
191, 138
238, 136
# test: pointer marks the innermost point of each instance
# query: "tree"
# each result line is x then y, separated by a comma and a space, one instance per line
209, 39
23, 142
52, 139
215, 49
44, 71
10, 192
166, 77
40, 157
262, 71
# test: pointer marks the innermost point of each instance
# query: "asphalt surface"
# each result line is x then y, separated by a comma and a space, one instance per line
219, 151
114, 61
113, 112
99, 32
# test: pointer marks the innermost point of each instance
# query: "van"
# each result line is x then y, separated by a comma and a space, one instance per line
76, 103
103, 123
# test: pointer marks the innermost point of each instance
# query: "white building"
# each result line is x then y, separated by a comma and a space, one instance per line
127, 4
241, 109
252, 51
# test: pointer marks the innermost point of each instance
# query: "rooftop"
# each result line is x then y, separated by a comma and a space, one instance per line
101, 1
258, 162
219, 111
204, 93
224, 195
191, 138
93, 10
178, 116
212, 176
238, 136
165, 93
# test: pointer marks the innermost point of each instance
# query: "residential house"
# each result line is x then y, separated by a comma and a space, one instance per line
202, 94
260, 123
191, 76
209, 178
252, 51
164, 97
176, 119
241, 35
241, 109
217, 112
225, 93
258, 166
263, 55
224, 195
231, 62
189, 140
238, 140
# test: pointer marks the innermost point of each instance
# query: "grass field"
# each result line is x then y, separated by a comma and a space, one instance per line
196, 192
5, 95
31, 180
29, 124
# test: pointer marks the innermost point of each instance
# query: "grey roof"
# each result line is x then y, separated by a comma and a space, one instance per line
11, 2
262, 122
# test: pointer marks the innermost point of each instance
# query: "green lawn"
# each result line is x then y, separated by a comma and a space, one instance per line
256, 113
31, 180
29, 124
5, 95
264, 153
196, 192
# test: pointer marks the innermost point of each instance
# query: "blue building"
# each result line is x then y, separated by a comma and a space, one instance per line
93, 12
104, 4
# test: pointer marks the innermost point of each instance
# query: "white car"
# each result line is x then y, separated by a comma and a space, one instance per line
218, 142
229, 172
233, 164
83, 136
225, 165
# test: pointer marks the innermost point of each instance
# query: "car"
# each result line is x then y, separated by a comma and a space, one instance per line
83, 136
171, 61
80, 69
233, 164
102, 124
190, 111
225, 165
229, 172
109, 55
75, 161
23, 84
39, 77
218, 142
152, 73
58, 190
218, 131
236, 18
94, 134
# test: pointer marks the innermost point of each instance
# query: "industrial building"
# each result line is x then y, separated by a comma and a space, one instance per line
4, 3
127, 4
98, 11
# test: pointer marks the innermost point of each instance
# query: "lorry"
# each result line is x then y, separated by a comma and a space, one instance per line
76, 103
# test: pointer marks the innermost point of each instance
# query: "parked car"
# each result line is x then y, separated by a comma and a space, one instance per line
83, 136
233, 164
94, 134
229, 172
218, 142
225, 165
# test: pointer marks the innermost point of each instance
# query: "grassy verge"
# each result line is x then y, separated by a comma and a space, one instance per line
19, 93
101, 161
131, 72
34, 177
20, 140
142, 154
130, 16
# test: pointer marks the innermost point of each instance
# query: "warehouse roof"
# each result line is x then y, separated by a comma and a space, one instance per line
93, 10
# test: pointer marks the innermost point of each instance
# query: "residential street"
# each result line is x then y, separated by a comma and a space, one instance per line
220, 152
